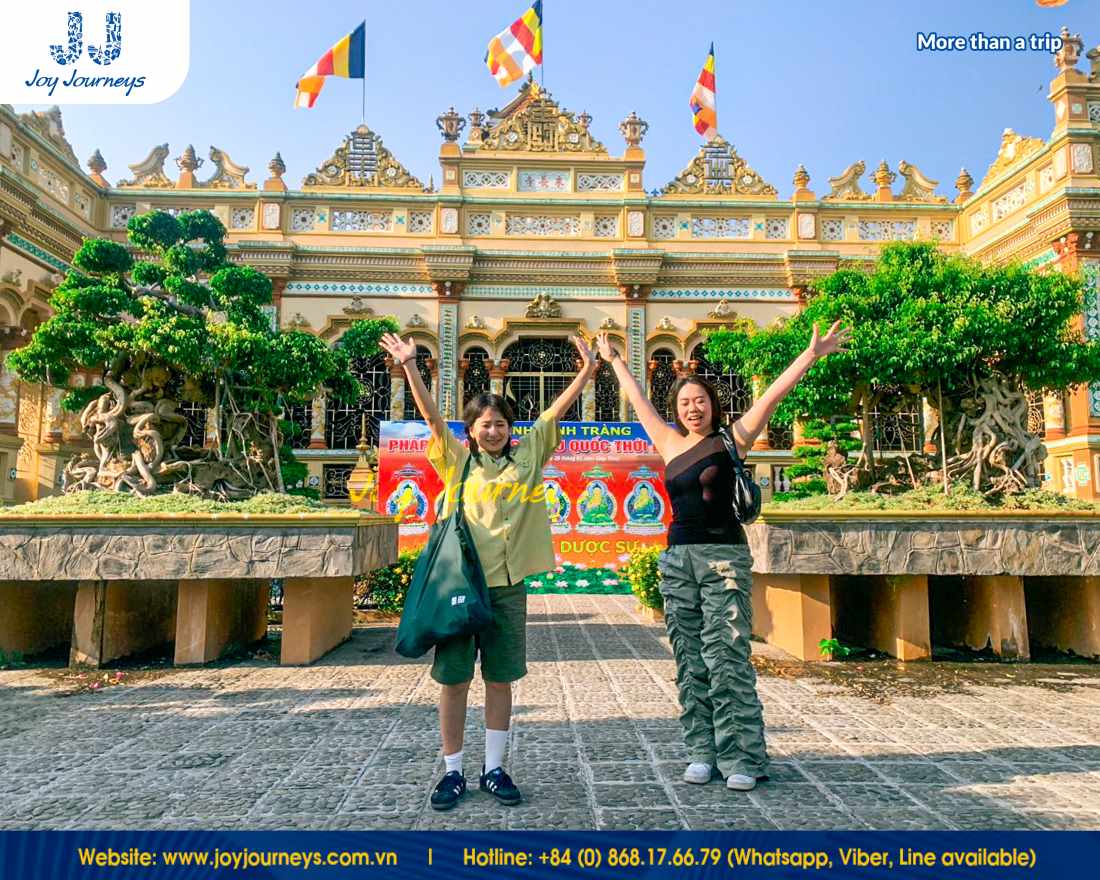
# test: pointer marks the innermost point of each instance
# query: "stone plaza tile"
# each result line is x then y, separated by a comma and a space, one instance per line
352, 743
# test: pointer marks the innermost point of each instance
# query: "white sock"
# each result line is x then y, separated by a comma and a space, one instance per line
496, 741
453, 762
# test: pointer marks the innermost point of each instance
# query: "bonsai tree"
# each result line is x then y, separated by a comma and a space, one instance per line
170, 320
971, 339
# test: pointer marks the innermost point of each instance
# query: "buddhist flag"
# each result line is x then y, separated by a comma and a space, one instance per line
1051, 3
348, 58
518, 48
703, 106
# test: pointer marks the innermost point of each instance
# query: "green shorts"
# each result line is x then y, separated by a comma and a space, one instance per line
502, 644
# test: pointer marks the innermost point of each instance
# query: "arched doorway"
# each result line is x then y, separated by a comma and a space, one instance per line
538, 371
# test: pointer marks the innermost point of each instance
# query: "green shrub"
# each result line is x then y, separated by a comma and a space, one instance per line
384, 589
640, 570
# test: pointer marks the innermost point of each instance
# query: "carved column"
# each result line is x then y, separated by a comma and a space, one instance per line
460, 386
930, 416
1054, 416
437, 388
211, 439
497, 371
70, 421
54, 416
278, 286
449, 402
635, 296
397, 390
9, 394
758, 389
318, 416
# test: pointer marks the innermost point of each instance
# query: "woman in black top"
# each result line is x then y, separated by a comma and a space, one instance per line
706, 572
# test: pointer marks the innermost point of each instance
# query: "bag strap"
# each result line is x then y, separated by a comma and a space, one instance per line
459, 509
731, 448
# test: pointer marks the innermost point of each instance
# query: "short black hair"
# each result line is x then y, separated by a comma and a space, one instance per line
473, 410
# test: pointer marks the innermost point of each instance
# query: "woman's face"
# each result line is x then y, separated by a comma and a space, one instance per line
694, 409
491, 431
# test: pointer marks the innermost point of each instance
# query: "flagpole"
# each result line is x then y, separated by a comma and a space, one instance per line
363, 118
542, 67
717, 131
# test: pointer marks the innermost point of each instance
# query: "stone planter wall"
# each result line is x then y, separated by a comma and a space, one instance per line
1004, 582
200, 581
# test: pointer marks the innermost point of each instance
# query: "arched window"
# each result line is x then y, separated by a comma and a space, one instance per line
476, 379
342, 420
896, 422
301, 416
538, 371
422, 355
661, 380
734, 394
607, 393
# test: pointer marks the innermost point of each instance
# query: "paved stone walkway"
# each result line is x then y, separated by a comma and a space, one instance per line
352, 742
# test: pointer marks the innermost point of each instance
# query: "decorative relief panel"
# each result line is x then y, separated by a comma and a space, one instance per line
477, 224
1059, 164
448, 219
979, 220
272, 216
832, 230
362, 221
599, 182
720, 227
944, 230
420, 221
664, 226
807, 226
1091, 271
54, 184
121, 214
635, 223
884, 230
18, 155
486, 179
1012, 200
1081, 156
775, 228
242, 218
1094, 111
543, 181
606, 227
302, 220
83, 203
1046, 178
542, 225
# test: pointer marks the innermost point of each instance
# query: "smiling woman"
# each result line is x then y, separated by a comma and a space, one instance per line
505, 511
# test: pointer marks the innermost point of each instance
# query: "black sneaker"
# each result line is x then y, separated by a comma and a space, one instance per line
499, 784
451, 787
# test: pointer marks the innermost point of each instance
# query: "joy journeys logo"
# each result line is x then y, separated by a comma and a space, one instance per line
155, 36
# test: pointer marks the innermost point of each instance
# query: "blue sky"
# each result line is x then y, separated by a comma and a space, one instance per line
823, 84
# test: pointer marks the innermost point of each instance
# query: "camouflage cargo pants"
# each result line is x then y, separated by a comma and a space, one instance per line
707, 590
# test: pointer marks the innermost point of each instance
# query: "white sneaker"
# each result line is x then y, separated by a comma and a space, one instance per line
699, 773
738, 782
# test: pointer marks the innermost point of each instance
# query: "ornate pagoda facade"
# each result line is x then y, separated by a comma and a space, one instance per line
537, 231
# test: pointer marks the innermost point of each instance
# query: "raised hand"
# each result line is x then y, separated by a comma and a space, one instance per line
603, 346
399, 350
835, 340
588, 357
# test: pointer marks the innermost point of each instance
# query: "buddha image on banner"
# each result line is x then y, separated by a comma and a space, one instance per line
604, 488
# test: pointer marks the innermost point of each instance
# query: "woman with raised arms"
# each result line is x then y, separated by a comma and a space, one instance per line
505, 508
706, 571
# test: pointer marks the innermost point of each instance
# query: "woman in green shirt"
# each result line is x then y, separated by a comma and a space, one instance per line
505, 508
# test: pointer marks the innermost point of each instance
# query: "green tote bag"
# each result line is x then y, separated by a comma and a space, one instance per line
448, 595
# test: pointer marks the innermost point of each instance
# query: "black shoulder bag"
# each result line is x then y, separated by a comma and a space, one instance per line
448, 595
746, 494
